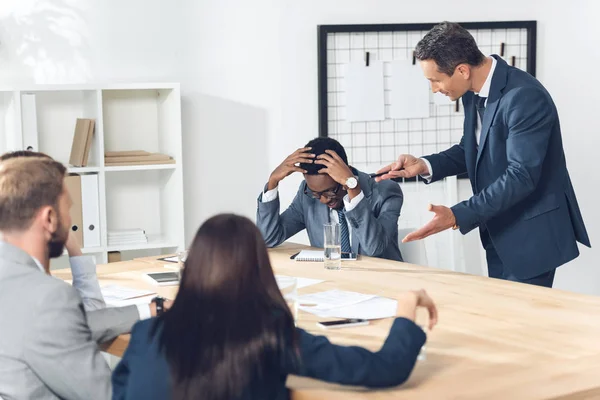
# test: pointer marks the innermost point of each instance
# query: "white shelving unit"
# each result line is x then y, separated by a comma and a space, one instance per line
128, 117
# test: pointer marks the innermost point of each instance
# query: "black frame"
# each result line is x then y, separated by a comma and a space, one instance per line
324, 30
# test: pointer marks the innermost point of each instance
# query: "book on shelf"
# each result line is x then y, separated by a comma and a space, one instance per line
82, 142
135, 157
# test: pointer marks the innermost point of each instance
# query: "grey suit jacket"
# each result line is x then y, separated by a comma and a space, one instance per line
374, 220
48, 345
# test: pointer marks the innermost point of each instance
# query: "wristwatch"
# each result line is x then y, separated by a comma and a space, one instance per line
351, 182
160, 305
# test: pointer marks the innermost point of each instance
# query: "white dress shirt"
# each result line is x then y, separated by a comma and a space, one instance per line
349, 205
86, 283
484, 92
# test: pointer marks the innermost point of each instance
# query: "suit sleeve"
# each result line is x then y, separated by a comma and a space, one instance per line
60, 349
390, 366
276, 228
85, 281
108, 323
120, 375
449, 162
376, 232
529, 120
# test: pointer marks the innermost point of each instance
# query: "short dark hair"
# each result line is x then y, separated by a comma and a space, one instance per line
319, 145
449, 44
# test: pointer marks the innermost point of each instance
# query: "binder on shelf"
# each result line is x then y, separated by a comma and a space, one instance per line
82, 142
73, 186
90, 210
29, 122
88, 143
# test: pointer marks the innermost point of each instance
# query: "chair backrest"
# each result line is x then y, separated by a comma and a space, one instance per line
412, 252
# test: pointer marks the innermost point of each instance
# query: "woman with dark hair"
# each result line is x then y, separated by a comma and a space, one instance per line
230, 335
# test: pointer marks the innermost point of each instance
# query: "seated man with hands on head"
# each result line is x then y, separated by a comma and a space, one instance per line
332, 191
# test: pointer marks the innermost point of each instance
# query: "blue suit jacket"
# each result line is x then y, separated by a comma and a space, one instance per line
144, 373
522, 190
374, 220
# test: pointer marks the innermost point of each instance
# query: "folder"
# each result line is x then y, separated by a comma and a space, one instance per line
88, 143
126, 153
149, 157
82, 130
90, 210
130, 163
73, 186
29, 122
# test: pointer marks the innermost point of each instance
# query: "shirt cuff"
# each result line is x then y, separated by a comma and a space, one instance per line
269, 195
430, 175
349, 205
144, 311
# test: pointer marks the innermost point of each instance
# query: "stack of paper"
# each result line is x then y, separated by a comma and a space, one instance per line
135, 157
343, 304
118, 296
127, 236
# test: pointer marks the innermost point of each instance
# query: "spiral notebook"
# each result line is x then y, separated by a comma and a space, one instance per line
310, 255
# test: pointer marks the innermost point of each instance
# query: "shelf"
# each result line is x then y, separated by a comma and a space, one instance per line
82, 170
88, 250
153, 243
151, 167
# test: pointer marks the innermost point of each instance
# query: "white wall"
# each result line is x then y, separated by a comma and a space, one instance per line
291, 36
249, 80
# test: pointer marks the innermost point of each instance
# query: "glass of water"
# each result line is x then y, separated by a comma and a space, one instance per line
333, 246
288, 286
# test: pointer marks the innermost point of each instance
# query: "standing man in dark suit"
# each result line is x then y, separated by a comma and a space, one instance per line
523, 202
332, 191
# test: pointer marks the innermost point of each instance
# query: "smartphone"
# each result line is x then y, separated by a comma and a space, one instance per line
344, 323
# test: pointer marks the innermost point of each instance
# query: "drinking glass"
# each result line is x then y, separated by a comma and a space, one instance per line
333, 246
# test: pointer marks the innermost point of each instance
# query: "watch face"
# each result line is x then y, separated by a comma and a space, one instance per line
351, 182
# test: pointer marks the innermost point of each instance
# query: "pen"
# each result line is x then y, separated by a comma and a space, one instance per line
382, 173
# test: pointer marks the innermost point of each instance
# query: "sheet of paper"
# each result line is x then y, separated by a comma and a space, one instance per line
364, 92
410, 91
303, 282
375, 308
117, 295
324, 302
172, 259
441, 99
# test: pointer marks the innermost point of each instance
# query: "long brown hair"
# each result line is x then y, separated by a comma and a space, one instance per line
229, 323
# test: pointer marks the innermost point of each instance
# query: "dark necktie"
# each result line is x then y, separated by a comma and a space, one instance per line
344, 232
480, 104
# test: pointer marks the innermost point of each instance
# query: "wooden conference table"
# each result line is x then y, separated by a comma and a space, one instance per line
494, 339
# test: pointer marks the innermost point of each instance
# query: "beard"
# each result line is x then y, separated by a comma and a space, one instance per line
56, 244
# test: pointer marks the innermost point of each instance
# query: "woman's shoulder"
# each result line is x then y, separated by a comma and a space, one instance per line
146, 331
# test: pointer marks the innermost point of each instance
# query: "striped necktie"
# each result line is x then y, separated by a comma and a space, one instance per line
344, 232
